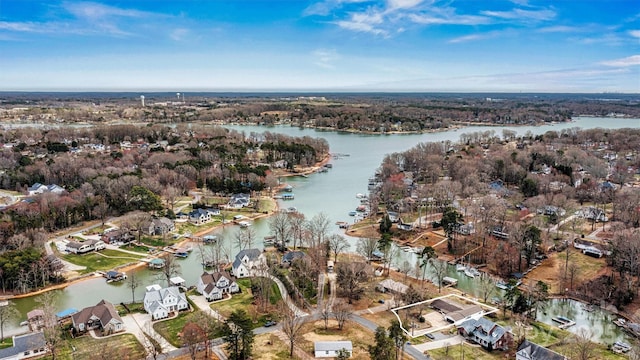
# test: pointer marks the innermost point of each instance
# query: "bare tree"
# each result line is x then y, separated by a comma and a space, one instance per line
366, 247
245, 238
351, 278
169, 269
318, 228
440, 270
138, 221
51, 331
279, 225
337, 244
342, 312
8, 312
487, 287
297, 223
133, 282
325, 313
291, 326
192, 336
405, 268
581, 346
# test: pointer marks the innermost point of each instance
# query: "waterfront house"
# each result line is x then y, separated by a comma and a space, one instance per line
291, 256
199, 216
85, 246
246, 262
117, 236
392, 286
25, 347
532, 351
103, 316
486, 333
455, 312
214, 285
325, 349
160, 226
159, 302
238, 201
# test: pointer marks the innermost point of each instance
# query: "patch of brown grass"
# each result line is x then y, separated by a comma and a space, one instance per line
360, 337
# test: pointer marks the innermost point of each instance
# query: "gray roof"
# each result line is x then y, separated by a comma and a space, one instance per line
483, 329
252, 254
22, 343
536, 352
332, 345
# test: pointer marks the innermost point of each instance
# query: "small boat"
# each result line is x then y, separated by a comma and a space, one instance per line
620, 347
469, 273
342, 224
475, 271
292, 209
244, 224
288, 196
361, 208
288, 188
449, 281
24, 323
620, 322
352, 213
269, 240
588, 308
209, 239
360, 196
460, 267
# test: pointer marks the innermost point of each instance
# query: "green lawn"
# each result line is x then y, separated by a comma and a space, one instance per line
8, 342
169, 329
244, 300
104, 260
137, 248
124, 346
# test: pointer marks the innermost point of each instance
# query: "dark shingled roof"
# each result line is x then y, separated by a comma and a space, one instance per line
22, 343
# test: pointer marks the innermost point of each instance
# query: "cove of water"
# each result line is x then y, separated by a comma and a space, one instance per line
332, 193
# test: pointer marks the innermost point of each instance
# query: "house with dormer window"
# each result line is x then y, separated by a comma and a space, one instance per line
214, 285
486, 333
160, 302
247, 262
103, 316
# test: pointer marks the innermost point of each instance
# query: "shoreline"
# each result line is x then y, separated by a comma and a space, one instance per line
134, 266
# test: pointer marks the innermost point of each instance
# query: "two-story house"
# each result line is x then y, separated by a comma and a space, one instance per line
199, 216
247, 262
159, 302
160, 226
239, 201
214, 285
486, 333
103, 316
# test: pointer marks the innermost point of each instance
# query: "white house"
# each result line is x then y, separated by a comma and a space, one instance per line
38, 188
325, 349
532, 351
25, 346
239, 201
161, 302
160, 226
85, 247
213, 286
246, 262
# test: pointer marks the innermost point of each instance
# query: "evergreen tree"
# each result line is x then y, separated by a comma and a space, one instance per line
239, 335
384, 349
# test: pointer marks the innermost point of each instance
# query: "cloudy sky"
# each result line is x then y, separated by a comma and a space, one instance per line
327, 45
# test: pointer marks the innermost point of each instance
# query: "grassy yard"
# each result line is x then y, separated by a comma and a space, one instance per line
105, 260
137, 248
169, 329
465, 352
244, 300
122, 347
360, 337
269, 347
8, 342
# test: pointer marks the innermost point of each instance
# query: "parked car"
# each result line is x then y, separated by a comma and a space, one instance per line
270, 323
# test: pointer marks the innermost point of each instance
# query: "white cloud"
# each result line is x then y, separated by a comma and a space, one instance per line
324, 8
523, 15
325, 58
403, 4
364, 22
92, 10
632, 60
179, 34
466, 38
427, 19
634, 33
559, 29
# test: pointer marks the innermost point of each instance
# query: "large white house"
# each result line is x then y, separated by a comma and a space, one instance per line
38, 188
159, 302
246, 262
213, 286
239, 201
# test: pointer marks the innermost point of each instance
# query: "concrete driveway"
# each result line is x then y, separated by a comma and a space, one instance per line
141, 324
430, 345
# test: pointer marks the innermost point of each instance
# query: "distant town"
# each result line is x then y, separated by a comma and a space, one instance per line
193, 241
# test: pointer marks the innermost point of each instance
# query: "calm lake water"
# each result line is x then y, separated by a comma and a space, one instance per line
332, 193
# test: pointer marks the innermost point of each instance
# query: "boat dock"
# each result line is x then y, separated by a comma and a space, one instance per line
563, 321
449, 281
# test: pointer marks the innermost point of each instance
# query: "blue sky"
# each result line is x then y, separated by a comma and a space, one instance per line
327, 45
